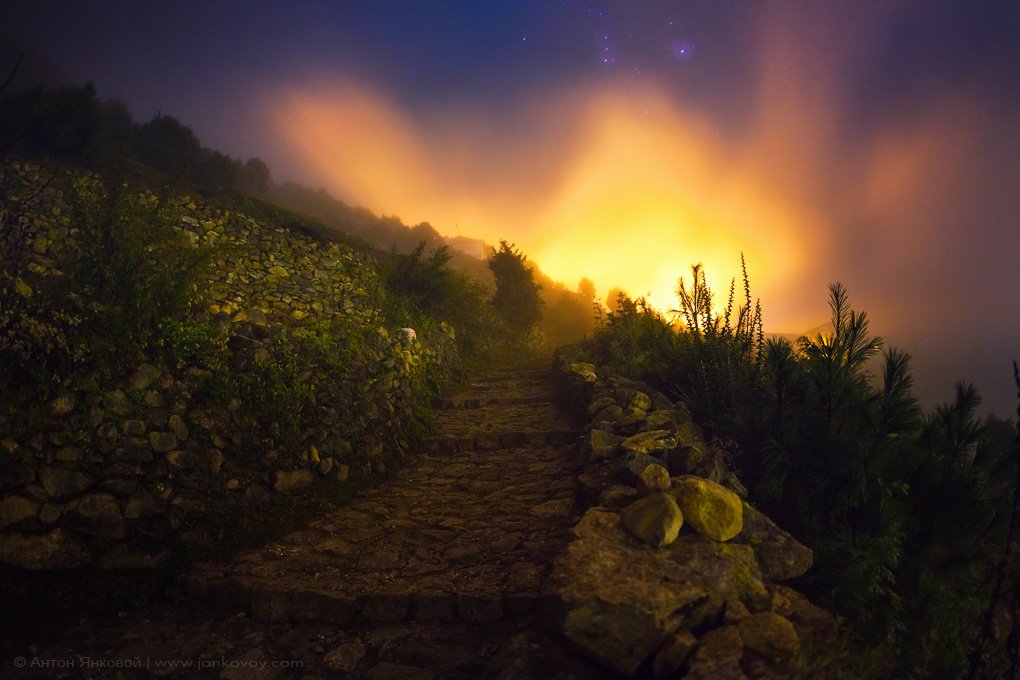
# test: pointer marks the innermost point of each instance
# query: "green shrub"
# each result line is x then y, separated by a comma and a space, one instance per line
516, 298
906, 514
131, 269
708, 360
121, 286
333, 384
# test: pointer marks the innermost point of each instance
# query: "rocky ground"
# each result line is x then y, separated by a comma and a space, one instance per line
436, 573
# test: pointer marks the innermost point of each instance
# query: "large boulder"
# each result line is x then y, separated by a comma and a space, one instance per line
143, 505
654, 478
725, 571
62, 482
632, 418
617, 496
622, 600
608, 414
654, 519
717, 656
585, 372
15, 509
770, 635
712, 509
629, 468
688, 433
779, 554
629, 397
652, 442
600, 403
657, 398
603, 444
690, 456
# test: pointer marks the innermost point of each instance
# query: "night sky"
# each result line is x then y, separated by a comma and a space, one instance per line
873, 143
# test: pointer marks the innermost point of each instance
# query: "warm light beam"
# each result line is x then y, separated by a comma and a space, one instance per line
615, 183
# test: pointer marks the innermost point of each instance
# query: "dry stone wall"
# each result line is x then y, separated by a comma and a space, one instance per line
130, 462
259, 265
671, 573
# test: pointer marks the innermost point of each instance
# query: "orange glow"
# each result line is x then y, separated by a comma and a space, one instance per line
651, 192
619, 181
613, 183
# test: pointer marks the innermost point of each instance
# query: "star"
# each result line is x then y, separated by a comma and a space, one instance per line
682, 50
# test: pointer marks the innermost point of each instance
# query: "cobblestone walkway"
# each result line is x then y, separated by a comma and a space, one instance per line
436, 573
464, 533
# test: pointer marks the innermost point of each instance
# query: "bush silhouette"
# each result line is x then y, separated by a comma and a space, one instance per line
516, 298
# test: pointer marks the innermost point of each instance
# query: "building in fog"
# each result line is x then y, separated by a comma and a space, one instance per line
475, 247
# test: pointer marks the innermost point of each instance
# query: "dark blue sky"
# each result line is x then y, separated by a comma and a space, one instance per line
190, 58
887, 133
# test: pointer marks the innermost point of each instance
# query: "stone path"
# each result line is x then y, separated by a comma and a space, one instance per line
436, 573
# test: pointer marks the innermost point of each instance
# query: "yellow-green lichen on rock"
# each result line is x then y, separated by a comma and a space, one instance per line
654, 519
710, 508
620, 603
654, 478
651, 442
583, 370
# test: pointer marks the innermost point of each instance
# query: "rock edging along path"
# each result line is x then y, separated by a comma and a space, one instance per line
437, 573
465, 532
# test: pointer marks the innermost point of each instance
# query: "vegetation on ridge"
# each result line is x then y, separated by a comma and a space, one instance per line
907, 512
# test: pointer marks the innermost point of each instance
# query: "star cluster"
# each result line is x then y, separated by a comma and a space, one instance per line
621, 38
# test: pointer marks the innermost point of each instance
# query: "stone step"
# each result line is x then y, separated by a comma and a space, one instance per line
271, 605
460, 402
496, 441
510, 388
543, 369
507, 387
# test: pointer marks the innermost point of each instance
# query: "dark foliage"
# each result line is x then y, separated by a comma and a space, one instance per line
516, 299
424, 290
70, 124
907, 513
65, 124
253, 178
128, 278
168, 146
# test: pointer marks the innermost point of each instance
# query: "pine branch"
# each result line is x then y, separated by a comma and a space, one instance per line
1002, 572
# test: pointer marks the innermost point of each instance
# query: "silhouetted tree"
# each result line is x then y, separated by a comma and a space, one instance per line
167, 145
586, 289
61, 124
253, 178
516, 297
615, 298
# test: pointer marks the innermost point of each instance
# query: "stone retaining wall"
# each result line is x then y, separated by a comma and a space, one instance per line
127, 464
671, 572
